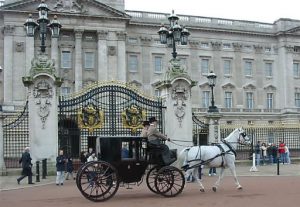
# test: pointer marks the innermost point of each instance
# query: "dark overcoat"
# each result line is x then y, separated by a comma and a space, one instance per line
26, 164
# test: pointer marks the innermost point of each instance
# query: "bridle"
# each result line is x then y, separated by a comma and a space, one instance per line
242, 138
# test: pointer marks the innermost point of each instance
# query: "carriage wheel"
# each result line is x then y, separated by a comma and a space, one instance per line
169, 181
150, 179
97, 181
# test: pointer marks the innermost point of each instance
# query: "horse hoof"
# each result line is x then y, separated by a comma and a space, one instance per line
214, 189
202, 190
240, 188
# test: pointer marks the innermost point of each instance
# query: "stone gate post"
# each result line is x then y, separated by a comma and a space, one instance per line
2, 163
42, 84
176, 93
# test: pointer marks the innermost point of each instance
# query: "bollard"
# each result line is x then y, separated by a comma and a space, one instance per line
44, 168
37, 174
278, 161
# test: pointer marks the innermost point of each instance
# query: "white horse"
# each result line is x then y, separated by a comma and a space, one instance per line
221, 155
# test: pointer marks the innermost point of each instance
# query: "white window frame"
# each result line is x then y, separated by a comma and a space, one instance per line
158, 68
297, 99
249, 100
270, 100
248, 68
133, 63
204, 68
228, 99
227, 67
66, 64
88, 65
296, 69
268, 69
65, 90
205, 99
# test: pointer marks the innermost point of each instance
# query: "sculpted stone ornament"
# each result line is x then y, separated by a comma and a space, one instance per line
73, 6
43, 93
179, 95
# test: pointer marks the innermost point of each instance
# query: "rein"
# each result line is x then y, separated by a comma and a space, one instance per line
181, 145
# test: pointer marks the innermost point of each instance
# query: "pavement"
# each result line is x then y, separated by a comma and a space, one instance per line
10, 182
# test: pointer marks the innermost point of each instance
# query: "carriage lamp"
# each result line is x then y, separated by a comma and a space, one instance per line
212, 82
42, 25
175, 34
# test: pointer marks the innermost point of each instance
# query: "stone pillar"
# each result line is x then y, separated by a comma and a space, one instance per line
214, 135
2, 163
29, 48
102, 55
8, 64
176, 92
78, 59
54, 53
121, 74
42, 87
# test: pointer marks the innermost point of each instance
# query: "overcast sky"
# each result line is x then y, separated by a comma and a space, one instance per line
266, 11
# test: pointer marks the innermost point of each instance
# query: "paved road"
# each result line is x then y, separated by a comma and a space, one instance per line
263, 188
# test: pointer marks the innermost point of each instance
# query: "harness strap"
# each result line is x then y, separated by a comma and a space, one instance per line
222, 153
230, 147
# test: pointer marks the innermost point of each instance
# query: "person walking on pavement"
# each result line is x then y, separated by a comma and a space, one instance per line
60, 168
26, 166
154, 137
70, 169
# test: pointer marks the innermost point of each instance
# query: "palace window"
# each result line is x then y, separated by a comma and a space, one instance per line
248, 68
132, 63
268, 69
228, 100
270, 100
297, 99
249, 100
65, 91
205, 99
89, 60
204, 66
66, 59
227, 67
296, 70
158, 64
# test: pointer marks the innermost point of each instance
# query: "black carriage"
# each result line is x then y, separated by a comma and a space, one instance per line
125, 161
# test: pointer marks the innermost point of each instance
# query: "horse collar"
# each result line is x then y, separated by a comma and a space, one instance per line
230, 147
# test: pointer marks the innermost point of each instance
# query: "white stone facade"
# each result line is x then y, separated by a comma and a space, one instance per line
253, 61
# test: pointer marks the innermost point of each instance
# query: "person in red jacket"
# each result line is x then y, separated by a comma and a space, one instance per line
281, 150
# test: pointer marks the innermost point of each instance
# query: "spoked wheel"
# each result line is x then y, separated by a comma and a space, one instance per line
97, 181
150, 179
169, 181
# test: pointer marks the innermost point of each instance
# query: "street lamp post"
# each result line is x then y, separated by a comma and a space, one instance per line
42, 25
212, 82
174, 34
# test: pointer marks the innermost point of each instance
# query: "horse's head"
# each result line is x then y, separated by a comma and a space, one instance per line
243, 139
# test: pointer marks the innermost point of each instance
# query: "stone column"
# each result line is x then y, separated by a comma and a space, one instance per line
176, 92
29, 53
121, 74
214, 135
42, 87
2, 163
102, 55
54, 53
8, 64
78, 59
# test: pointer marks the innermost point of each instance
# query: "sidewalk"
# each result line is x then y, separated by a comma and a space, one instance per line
10, 182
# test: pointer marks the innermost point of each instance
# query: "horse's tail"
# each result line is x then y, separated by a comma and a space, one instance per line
182, 157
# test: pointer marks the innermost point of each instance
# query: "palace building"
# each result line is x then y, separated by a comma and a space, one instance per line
257, 64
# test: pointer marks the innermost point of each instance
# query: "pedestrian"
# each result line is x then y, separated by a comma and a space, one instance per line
60, 168
83, 157
212, 171
258, 153
26, 166
144, 132
264, 152
281, 151
70, 168
92, 157
287, 154
269, 153
274, 153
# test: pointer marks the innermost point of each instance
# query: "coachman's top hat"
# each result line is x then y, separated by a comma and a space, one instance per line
146, 123
152, 119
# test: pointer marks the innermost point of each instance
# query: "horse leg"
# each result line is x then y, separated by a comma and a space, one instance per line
233, 172
221, 175
196, 175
